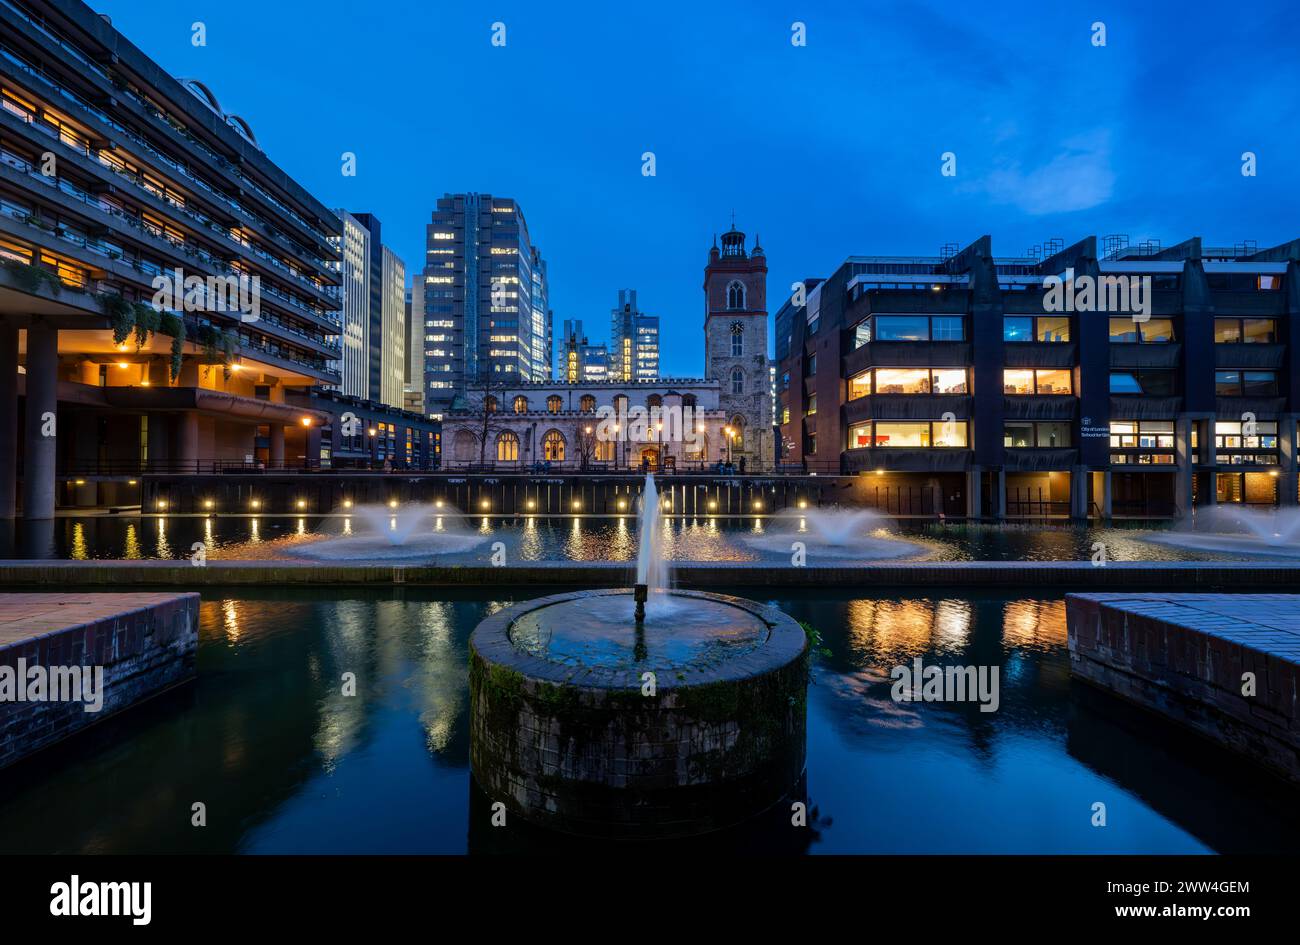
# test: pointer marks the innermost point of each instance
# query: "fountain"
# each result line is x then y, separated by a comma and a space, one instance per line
387, 533
1236, 530
834, 532
638, 712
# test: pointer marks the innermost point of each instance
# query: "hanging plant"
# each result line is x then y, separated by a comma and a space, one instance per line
121, 315
31, 276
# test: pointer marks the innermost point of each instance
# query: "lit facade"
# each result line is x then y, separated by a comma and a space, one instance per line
633, 340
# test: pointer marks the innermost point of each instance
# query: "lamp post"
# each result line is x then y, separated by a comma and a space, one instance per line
728, 432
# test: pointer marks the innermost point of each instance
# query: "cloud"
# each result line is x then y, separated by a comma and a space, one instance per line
1078, 177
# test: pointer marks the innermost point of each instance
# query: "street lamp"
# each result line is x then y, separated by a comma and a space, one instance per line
728, 432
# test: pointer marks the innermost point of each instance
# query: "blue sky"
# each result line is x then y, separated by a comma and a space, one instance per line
825, 151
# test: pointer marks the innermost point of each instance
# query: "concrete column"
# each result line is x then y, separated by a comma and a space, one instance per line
276, 437
1079, 493
1212, 494
1286, 477
974, 492
312, 450
1186, 466
8, 420
1000, 496
40, 447
187, 441
1105, 495
89, 372
159, 451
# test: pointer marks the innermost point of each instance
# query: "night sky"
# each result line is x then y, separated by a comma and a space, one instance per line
825, 151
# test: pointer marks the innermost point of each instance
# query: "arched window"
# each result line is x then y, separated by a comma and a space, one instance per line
605, 451
737, 340
738, 431
689, 400
553, 446
521, 404
508, 447
737, 381
554, 403
490, 404
587, 404
736, 295
620, 405
464, 447
654, 400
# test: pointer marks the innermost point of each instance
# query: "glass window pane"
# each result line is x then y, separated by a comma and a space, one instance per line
950, 380
1054, 328
1157, 330
1055, 382
1053, 434
948, 328
1017, 329
1124, 383
902, 381
902, 328
1227, 383
951, 434
1227, 331
1259, 331
1017, 382
860, 436
1017, 434
902, 434
1260, 384
861, 333
860, 386
1123, 330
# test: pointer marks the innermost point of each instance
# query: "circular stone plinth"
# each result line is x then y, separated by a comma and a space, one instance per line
580, 724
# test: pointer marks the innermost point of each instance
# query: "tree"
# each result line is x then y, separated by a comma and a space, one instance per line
586, 445
485, 399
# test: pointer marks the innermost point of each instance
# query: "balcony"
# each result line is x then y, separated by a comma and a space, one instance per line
907, 407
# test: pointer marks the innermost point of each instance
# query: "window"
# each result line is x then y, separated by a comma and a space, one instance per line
587, 403
1021, 434
1245, 383
1040, 381
1234, 440
1137, 438
811, 408
947, 328
554, 403
1231, 331
736, 295
1045, 328
909, 381
521, 404
508, 447
902, 328
737, 341
1151, 383
910, 328
553, 446
1152, 331
861, 333
785, 415
913, 434
737, 381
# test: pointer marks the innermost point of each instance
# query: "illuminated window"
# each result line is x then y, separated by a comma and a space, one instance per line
508, 447
553, 446
521, 404
554, 403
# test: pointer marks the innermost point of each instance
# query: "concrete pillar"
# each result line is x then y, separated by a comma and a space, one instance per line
8, 420
1186, 466
89, 372
312, 450
276, 437
1105, 495
40, 446
187, 441
1079, 493
1000, 496
1212, 493
974, 492
1286, 478
158, 448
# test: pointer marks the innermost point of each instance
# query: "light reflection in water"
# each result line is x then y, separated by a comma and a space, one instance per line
163, 548
347, 526
1036, 624
894, 630
132, 545
79, 552
230, 620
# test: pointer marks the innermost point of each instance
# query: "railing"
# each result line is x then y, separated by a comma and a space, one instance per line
210, 467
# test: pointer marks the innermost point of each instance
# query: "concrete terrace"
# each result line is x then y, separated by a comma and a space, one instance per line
1037, 576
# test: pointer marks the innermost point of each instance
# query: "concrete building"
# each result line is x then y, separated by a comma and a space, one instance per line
485, 298
580, 360
354, 266
392, 321
1140, 381
384, 278
633, 340
169, 297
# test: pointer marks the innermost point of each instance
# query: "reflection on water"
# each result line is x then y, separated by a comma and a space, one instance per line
536, 538
288, 762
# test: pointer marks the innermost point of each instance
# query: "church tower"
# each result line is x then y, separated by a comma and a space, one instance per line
735, 348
